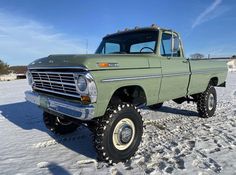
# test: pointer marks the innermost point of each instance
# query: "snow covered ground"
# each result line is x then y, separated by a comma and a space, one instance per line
175, 140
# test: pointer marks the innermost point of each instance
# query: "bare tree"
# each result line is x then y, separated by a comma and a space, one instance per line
197, 56
4, 68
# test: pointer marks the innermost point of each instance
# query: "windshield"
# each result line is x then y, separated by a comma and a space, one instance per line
138, 42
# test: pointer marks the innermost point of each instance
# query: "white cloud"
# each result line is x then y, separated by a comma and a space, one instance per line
209, 13
222, 50
22, 40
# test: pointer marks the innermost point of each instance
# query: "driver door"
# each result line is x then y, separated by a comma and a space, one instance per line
175, 68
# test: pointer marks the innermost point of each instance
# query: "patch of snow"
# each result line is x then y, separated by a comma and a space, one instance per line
175, 139
43, 164
8, 77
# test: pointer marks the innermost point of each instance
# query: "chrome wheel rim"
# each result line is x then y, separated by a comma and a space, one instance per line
123, 134
63, 121
211, 102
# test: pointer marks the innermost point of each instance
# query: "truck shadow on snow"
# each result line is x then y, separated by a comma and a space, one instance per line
183, 112
234, 103
28, 116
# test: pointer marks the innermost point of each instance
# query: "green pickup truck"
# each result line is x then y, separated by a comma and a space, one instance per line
105, 91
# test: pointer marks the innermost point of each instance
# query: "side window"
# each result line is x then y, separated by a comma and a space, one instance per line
176, 51
166, 44
111, 48
166, 48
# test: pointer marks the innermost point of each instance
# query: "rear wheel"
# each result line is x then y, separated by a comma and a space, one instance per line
156, 106
118, 134
206, 103
58, 125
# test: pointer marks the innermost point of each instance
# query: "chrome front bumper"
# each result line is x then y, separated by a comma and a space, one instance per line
61, 107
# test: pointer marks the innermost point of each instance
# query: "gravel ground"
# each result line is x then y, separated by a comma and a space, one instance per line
175, 139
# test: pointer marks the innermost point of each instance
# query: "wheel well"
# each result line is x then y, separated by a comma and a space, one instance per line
213, 81
129, 94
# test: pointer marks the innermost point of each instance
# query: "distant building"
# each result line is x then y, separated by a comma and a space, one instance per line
232, 65
16, 72
20, 71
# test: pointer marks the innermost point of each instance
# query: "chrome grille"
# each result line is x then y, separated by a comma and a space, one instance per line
62, 83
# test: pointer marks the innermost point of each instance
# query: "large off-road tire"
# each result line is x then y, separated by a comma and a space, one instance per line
58, 125
156, 106
206, 102
118, 134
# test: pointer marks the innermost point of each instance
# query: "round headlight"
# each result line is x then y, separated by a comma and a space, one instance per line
29, 77
82, 83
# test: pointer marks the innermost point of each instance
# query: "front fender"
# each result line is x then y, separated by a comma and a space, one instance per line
109, 81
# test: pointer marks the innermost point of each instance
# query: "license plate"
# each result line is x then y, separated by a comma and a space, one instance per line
44, 102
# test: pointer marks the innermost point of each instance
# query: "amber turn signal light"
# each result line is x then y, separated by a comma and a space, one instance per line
103, 64
85, 99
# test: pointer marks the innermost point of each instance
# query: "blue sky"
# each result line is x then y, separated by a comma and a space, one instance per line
32, 29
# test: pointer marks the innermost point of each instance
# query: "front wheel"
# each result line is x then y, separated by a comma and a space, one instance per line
118, 134
206, 103
58, 125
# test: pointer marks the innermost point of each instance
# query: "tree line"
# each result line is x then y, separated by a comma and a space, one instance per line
4, 68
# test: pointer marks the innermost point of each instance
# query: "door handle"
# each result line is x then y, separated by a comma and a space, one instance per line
185, 61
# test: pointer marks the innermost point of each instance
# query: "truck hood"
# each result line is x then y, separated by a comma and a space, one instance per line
124, 61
